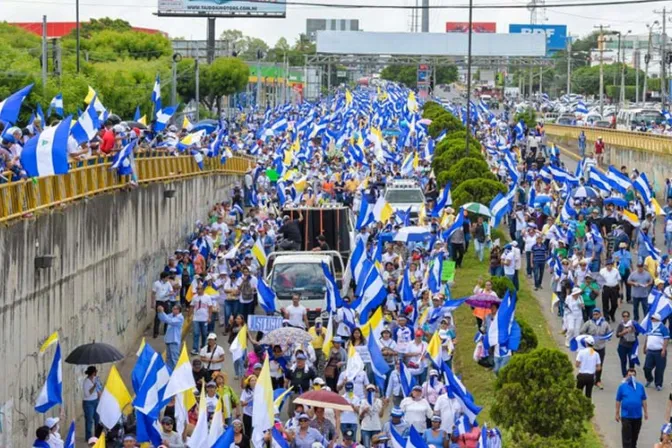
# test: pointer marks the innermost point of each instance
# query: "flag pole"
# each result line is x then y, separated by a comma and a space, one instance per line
471, 14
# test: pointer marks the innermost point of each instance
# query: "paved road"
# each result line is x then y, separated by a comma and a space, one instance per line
611, 378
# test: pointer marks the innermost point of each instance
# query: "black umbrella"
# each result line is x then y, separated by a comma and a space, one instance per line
136, 124
94, 353
114, 119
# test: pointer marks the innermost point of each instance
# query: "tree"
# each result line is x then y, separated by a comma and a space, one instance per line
528, 338
446, 74
88, 29
469, 168
529, 117
225, 76
502, 284
403, 74
453, 154
536, 392
444, 122
477, 190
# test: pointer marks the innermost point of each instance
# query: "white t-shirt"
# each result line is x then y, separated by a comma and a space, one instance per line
201, 305
295, 315
162, 291
88, 384
611, 278
371, 419
589, 360
510, 268
253, 284
219, 352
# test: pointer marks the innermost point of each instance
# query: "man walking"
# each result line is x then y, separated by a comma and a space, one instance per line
588, 362
630, 407
162, 295
655, 347
173, 337
539, 261
640, 282
610, 290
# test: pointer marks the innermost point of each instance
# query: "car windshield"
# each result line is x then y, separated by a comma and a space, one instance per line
648, 117
405, 196
299, 277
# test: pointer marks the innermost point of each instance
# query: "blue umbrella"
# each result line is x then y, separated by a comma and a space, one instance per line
542, 199
618, 202
584, 192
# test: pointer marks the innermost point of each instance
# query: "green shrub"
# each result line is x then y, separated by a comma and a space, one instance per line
445, 122
528, 338
537, 391
501, 284
469, 168
452, 155
520, 438
482, 191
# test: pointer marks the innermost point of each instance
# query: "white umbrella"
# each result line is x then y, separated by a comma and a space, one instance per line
475, 207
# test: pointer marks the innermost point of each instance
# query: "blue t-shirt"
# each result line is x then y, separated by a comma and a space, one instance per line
631, 399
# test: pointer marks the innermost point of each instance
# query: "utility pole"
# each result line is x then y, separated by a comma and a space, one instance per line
259, 78
663, 57
637, 56
173, 85
647, 59
77, 31
198, 88
621, 96
541, 80
44, 53
531, 83
425, 16
470, 31
569, 65
600, 48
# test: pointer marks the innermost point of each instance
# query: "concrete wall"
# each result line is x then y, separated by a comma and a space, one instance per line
108, 251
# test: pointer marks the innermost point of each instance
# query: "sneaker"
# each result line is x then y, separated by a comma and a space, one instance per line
648, 384
659, 388
194, 352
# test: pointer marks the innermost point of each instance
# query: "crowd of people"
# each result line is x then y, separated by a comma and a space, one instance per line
386, 342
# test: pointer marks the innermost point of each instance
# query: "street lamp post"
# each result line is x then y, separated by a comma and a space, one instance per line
77, 32
621, 96
468, 121
647, 59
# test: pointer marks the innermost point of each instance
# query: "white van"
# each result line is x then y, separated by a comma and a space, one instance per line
630, 119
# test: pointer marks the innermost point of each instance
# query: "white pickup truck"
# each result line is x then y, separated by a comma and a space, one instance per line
301, 272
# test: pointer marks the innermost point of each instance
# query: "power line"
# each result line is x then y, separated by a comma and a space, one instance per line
562, 4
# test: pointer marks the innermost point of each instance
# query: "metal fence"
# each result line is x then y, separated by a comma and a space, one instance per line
23, 198
627, 139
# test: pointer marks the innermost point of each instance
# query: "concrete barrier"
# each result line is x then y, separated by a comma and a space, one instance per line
108, 251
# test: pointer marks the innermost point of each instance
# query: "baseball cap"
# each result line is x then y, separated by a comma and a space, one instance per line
257, 366
51, 422
396, 412
212, 336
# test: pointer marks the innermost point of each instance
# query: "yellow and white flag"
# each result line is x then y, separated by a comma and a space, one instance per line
114, 399
326, 346
182, 378
239, 345
199, 437
259, 252
52, 339
263, 412
98, 106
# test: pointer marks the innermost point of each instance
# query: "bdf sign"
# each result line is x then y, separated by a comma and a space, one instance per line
556, 35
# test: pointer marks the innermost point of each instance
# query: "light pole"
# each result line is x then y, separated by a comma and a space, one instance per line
621, 96
647, 59
468, 121
77, 32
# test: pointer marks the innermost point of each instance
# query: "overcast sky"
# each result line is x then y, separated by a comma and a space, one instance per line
580, 20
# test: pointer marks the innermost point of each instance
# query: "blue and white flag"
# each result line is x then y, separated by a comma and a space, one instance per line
483, 438
332, 295
163, 116
137, 116
445, 200
567, 213
373, 295
396, 439
407, 380
457, 225
499, 206
643, 187
660, 305
500, 326
618, 181
56, 105
579, 341
147, 429
406, 288
598, 180
265, 296
69, 441
415, 439
51, 393
11, 106
366, 215
198, 158
47, 154
434, 278
581, 108
226, 439
156, 94
279, 126
378, 365
462, 425
461, 393
519, 130
650, 248
86, 127
122, 160
149, 399
357, 258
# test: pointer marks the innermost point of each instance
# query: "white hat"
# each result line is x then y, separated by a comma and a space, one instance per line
576, 291
212, 336
589, 340
51, 422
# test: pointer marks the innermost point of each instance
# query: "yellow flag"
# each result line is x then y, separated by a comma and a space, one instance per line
143, 120
141, 348
348, 97
52, 339
89, 96
101, 441
186, 124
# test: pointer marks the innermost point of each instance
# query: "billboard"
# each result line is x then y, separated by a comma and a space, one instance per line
476, 27
222, 8
556, 35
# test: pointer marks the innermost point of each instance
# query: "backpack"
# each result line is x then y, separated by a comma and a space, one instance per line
247, 291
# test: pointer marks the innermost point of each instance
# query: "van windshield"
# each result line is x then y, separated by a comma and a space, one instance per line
404, 196
298, 277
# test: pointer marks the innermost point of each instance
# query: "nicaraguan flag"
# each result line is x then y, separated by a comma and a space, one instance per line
69, 441
434, 279
265, 296
11, 106
122, 160
332, 295
567, 213
47, 154
405, 288
598, 180
357, 258
407, 380
52, 391
457, 225
483, 438
373, 295
499, 206
163, 116
56, 105
461, 393
198, 158
643, 187
650, 248
150, 396
366, 215
500, 326
445, 200
619, 181
226, 439
396, 440
378, 365
660, 305
519, 130
87, 125
147, 429
462, 425
279, 126
581, 108
156, 94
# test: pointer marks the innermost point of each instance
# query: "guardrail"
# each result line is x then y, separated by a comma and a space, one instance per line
22, 198
626, 139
